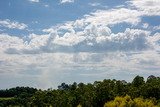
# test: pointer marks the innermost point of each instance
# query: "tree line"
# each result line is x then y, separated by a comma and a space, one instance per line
106, 93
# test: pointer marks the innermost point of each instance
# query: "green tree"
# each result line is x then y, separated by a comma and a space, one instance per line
138, 81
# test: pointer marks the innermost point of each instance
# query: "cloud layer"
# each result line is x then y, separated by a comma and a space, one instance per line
86, 48
12, 24
92, 39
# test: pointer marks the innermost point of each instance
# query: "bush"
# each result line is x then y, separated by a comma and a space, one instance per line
128, 102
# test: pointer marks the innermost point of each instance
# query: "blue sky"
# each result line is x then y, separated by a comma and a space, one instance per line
46, 42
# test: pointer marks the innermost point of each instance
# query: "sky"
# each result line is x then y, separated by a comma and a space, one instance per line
46, 42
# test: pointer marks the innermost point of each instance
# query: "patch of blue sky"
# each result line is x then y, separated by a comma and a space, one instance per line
15, 32
151, 20
120, 27
17, 80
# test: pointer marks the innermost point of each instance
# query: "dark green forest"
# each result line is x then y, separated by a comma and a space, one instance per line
106, 93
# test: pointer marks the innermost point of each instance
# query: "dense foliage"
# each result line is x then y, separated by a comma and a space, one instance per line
128, 102
98, 94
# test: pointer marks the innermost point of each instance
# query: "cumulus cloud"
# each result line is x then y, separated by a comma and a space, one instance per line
146, 7
92, 32
7, 41
101, 18
91, 39
156, 28
155, 39
145, 25
99, 39
109, 17
12, 24
114, 16
66, 1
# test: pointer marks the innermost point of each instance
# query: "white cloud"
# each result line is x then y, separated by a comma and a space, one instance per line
111, 17
84, 47
145, 25
69, 39
53, 67
32, 54
146, 7
7, 41
156, 28
49, 30
114, 16
155, 39
91, 39
93, 29
35, 1
46, 5
94, 4
12, 24
66, 1
107, 17
101, 18
35, 41
91, 33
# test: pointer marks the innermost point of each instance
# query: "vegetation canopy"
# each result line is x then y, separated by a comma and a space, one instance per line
106, 93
